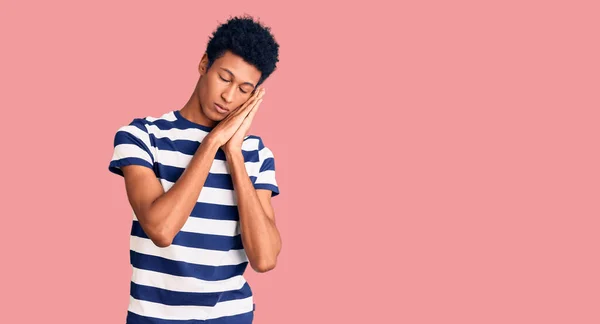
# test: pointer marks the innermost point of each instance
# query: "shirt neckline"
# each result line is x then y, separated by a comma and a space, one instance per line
185, 122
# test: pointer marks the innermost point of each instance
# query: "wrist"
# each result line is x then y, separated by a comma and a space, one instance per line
234, 155
209, 144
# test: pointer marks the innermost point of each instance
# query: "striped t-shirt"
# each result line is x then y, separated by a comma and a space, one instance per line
199, 277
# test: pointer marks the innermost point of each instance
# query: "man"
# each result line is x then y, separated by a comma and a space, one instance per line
200, 188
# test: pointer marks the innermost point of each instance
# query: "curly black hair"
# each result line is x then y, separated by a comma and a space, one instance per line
247, 38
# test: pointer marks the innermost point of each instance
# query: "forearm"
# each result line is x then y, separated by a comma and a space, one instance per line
169, 212
260, 236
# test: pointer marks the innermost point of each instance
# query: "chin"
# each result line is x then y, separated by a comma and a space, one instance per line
216, 120
215, 116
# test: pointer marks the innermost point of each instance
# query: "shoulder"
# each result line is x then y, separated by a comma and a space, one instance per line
253, 143
146, 123
255, 146
166, 120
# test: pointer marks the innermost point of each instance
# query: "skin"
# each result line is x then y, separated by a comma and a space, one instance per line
162, 214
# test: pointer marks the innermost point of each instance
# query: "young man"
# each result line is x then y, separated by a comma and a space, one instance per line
200, 188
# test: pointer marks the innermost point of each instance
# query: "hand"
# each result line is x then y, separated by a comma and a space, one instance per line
227, 127
235, 142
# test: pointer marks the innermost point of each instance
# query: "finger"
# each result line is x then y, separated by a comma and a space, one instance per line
257, 94
242, 112
245, 108
246, 123
251, 103
252, 112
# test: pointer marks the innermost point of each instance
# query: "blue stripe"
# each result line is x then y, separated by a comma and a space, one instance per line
178, 298
268, 165
164, 124
215, 211
115, 165
245, 318
196, 240
184, 269
213, 180
183, 146
267, 186
190, 147
123, 137
140, 123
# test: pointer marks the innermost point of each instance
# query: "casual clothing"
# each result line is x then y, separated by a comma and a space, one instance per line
199, 277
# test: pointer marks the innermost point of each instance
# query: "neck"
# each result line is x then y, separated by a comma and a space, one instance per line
192, 111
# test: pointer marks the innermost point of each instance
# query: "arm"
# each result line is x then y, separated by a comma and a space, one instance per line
259, 234
163, 214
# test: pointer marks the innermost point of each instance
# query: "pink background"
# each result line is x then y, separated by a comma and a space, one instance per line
438, 161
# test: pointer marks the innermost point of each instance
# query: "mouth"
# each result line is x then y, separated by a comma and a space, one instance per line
220, 109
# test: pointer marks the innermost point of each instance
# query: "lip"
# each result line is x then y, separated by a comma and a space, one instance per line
220, 109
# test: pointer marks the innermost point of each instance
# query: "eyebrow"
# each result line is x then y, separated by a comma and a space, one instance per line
233, 75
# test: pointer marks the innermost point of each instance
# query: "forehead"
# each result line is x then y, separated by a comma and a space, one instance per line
242, 70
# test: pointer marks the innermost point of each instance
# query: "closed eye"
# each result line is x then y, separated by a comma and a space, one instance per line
225, 80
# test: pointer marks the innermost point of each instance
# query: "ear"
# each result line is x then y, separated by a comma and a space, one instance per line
202, 68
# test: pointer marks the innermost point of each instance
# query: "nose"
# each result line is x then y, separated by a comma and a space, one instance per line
227, 95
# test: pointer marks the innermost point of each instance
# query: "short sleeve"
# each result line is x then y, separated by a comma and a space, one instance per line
266, 176
132, 146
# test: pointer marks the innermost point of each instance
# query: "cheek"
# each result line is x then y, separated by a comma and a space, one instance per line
213, 88
208, 91
242, 99
202, 87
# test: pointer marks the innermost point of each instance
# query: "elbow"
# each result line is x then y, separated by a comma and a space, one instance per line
161, 241
265, 263
263, 266
157, 232
160, 238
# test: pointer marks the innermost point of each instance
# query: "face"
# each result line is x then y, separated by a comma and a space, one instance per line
227, 85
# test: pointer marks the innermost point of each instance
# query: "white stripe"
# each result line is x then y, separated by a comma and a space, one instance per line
265, 153
210, 195
188, 254
219, 167
170, 116
232, 307
182, 160
122, 151
226, 308
190, 134
209, 226
250, 144
218, 196
138, 133
185, 284
267, 177
194, 134
174, 158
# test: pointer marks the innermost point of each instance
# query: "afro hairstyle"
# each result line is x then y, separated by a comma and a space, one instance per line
247, 38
